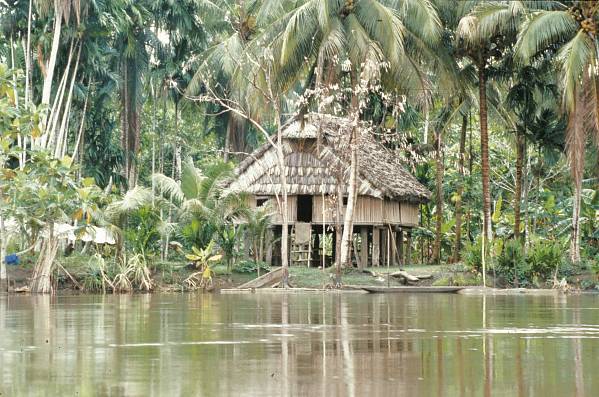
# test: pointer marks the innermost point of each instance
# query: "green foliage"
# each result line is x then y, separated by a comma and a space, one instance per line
248, 266
201, 257
459, 280
96, 276
142, 230
138, 273
511, 266
472, 255
545, 257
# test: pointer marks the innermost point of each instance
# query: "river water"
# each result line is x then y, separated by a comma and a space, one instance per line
299, 344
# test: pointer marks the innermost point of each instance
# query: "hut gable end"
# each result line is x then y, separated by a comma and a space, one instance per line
311, 171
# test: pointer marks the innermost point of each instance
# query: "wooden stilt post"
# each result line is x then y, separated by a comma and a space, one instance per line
364, 247
409, 248
384, 246
376, 249
246, 245
400, 246
268, 244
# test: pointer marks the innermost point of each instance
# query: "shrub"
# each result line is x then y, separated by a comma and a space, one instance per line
459, 280
249, 266
588, 285
472, 255
96, 276
511, 265
544, 258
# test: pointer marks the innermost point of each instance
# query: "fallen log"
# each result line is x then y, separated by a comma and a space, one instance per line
266, 280
406, 275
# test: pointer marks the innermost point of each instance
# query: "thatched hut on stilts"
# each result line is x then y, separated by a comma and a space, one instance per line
317, 170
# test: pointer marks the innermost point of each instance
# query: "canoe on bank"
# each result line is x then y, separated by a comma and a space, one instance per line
412, 289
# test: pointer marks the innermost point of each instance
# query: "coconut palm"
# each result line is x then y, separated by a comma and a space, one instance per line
202, 207
570, 29
355, 43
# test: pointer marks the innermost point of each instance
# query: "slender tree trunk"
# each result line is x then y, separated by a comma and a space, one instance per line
575, 240
525, 194
520, 150
438, 196
228, 134
64, 125
79, 142
284, 202
50, 139
346, 239
338, 231
484, 152
43, 267
3, 244
457, 247
177, 147
47, 87
153, 142
28, 56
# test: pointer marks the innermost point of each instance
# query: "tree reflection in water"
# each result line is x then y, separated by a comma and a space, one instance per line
309, 344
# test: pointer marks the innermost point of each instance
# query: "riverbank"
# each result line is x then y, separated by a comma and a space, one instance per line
73, 275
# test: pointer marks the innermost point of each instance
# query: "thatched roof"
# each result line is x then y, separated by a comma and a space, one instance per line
313, 172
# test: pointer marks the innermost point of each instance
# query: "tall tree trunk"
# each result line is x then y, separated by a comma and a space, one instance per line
177, 162
346, 239
47, 87
43, 267
438, 196
575, 239
520, 150
339, 229
28, 56
130, 123
3, 244
228, 134
61, 146
284, 202
525, 195
457, 246
78, 154
484, 153
575, 145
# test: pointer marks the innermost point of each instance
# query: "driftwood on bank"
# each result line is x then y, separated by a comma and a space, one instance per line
406, 275
400, 274
266, 280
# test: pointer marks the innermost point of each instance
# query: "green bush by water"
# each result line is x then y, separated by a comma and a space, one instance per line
545, 258
511, 266
249, 266
473, 256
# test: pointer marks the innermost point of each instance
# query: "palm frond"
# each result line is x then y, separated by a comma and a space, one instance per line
191, 179
575, 57
543, 29
168, 187
133, 200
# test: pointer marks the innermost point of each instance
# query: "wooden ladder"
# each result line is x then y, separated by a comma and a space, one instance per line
301, 253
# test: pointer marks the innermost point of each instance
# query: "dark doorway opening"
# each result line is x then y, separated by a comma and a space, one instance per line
304, 208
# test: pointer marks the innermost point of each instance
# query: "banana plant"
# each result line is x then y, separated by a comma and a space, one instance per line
201, 257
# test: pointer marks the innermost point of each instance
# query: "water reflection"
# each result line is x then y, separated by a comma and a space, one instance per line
321, 344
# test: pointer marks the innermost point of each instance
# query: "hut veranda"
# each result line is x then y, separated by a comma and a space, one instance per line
317, 170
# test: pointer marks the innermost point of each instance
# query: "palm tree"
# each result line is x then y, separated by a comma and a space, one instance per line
484, 35
532, 94
570, 31
352, 42
200, 203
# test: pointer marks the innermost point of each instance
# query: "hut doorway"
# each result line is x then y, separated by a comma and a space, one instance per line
304, 208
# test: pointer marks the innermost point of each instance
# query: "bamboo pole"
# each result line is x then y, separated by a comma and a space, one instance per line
324, 225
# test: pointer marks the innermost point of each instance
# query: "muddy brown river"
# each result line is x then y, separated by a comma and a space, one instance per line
322, 344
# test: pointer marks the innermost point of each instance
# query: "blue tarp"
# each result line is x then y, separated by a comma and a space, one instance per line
12, 259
